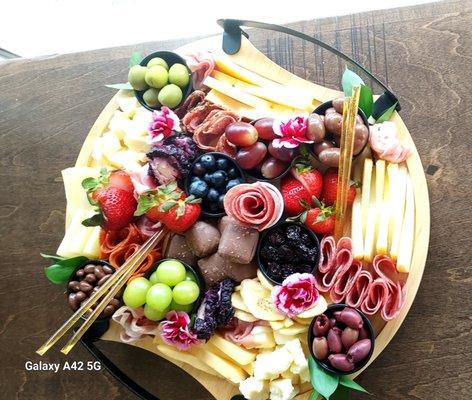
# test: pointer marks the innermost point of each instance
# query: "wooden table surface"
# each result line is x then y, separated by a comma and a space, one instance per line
47, 106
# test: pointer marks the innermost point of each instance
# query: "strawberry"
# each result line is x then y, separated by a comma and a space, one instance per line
295, 196
149, 203
122, 180
330, 185
308, 176
320, 219
96, 188
179, 215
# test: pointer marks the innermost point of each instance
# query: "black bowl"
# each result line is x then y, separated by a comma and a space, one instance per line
188, 178
171, 59
100, 321
262, 238
324, 364
195, 272
321, 110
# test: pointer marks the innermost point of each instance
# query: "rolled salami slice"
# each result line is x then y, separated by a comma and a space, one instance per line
345, 280
359, 289
377, 296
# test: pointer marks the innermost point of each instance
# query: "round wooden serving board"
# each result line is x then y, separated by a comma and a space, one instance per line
251, 58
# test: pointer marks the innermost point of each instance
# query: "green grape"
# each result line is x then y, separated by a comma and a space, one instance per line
170, 272
153, 314
158, 61
159, 296
136, 77
178, 74
150, 97
156, 76
180, 307
135, 292
189, 276
185, 292
170, 95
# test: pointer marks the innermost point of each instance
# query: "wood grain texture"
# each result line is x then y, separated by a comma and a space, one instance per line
47, 107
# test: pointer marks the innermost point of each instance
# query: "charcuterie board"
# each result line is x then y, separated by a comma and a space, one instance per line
251, 59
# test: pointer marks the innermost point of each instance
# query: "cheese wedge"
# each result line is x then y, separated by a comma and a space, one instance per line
408, 230
224, 64
92, 247
76, 236
235, 352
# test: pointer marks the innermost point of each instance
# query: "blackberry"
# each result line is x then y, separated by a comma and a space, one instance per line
270, 253
293, 233
285, 253
275, 271
306, 253
303, 268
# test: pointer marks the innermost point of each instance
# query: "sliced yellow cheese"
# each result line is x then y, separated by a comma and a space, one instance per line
398, 212
249, 368
366, 182
408, 230
379, 180
356, 228
276, 325
92, 247
235, 352
386, 209
293, 330
227, 369
216, 97
288, 322
126, 159
76, 236
370, 230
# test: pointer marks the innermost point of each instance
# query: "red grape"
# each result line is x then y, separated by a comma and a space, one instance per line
241, 134
282, 153
273, 168
264, 128
249, 157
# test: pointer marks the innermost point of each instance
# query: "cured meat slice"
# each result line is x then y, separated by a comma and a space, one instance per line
327, 254
209, 132
192, 120
377, 295
257, 205
135, 325
345, 280
194, 99
201, 64
386, 144
358, 292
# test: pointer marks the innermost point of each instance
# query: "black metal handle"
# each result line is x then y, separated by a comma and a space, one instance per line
88, 340
232, 43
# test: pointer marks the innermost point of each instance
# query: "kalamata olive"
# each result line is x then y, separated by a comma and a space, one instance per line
271, 168
74, 285
108, 310
341, 362
330, 157
281, 153
336, 315
89, 268
80, 273
332, 322
249, 157
338, 104
321, 325
323, 145
107, 269
330, 111
334, 341
315, 128
264, 128
351, 318
90, 278
241, 134
333, 122
359, 350
349, 337
320, 348
72, 301
363, 334
103, 280
85, 286
361, 135
80, 296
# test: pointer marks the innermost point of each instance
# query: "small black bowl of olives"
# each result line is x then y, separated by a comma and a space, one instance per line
161, 79
211, 176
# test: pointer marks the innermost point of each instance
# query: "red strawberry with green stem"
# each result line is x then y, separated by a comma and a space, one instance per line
307, 175
295, 196
180, 215
149, 203
320, 219
330, 187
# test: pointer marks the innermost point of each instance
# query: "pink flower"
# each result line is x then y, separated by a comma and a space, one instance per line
297, 294
174, 330
163, 123
292, 132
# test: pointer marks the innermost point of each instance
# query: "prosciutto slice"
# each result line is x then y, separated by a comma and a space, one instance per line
386, 144
257, 205
201, 64
209, 132
195, 117
135, 325
243, 333
193, 100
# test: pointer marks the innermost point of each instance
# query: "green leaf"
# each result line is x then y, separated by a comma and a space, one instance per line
349, 383
314, 395
95, 220
135, 58
52, 257
61, 271
145, 203
323, 382
341, 393
120, 86
89, 184
387, 114
349, 79
366, 100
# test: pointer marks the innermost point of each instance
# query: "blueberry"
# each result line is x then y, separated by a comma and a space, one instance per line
222, 163
221, 201
198, 188
219, 178
213, 207
232, 183
213, 195
198, 169
194, 179
207, 177
208, 162
233, 173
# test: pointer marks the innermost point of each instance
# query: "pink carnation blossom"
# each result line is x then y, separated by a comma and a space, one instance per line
296, 294
174, 330
163, 123
292, 132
